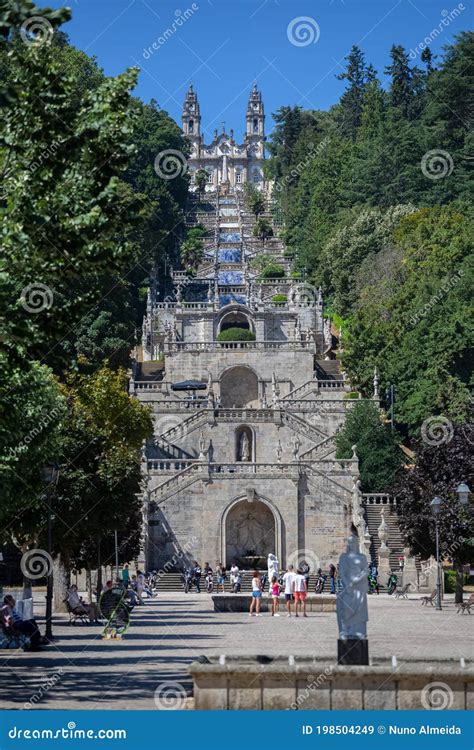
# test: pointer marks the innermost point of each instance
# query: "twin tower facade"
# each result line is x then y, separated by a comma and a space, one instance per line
226, 162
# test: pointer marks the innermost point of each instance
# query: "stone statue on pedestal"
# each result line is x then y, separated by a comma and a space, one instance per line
352, 611
273, 566
279, 451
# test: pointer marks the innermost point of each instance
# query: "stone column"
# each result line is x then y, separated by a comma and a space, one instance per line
410, 574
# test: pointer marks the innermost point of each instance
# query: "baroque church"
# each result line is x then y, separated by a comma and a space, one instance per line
242, 463
224, 160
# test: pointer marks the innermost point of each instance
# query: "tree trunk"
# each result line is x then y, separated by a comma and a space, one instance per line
458, 598
89, 582
61, 580
99, 571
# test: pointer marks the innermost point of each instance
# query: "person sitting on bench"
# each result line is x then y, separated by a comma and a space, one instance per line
14, 621
78, 606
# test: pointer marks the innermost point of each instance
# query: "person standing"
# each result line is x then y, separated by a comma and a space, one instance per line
125, 575
332, 577
256, 594
300, 588
234, 570
275, 589
306, 570
221, 576
288, 587
197, 572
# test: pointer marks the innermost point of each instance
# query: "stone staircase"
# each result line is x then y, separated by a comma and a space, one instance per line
373, 519
172, 582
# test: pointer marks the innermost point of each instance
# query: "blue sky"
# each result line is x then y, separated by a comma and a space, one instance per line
293, 48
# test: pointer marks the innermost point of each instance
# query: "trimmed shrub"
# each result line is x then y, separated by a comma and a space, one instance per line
236, 334
273, 271
279, 298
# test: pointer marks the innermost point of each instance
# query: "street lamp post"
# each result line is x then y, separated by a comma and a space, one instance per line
50, 478
435, 506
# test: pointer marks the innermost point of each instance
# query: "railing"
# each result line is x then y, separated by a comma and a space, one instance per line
263, 346
145, 385
378, 498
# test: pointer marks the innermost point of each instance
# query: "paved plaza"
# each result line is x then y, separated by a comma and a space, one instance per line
82, 671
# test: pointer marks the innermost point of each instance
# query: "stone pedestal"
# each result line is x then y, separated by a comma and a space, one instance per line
410, 574
352, 651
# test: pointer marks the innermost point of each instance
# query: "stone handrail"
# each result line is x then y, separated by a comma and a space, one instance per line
185, 427
304, 428
314, 454
206, 346
378, 498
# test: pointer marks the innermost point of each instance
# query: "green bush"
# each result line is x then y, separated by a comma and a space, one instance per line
351, 395
279, 298
450, 581
236, 334
273, 271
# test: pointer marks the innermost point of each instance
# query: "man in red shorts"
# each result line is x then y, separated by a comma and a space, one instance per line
300, 589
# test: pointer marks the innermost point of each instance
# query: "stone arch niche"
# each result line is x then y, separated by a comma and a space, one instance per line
244, 443
239, 387
235, 319
250, 532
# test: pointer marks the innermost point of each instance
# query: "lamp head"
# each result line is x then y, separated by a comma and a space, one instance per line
435, 505
463, 493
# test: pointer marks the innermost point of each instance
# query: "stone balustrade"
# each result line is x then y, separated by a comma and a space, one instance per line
378, 498
263, 346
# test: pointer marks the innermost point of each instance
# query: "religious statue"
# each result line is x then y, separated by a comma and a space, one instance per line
273, 566
202, 447
352, 611
244, 448
279, 451
296, 447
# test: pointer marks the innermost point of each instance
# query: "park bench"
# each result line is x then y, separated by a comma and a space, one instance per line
425, 600
466, 606
74, 616
403, 593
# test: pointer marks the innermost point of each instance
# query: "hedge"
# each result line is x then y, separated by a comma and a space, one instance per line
236, 334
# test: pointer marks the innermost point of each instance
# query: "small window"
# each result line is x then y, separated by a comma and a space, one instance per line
238, 177
255, 125
209, 177
191, 126
256, 177
193, 179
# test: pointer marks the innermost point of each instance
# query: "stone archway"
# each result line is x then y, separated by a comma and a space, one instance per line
239, 388
250, 533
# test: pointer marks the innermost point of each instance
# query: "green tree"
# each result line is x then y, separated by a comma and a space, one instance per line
263, 230
380, 456
201, 180
351, 103
192, 253
254, 199
441, 464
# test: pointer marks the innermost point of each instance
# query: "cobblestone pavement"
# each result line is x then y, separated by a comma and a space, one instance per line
83, 671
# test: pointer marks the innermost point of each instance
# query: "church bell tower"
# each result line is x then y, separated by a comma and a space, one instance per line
191, 117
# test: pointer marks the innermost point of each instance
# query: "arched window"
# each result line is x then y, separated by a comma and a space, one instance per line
191, 126
209, 177
255, 125
256, 176
238, 177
